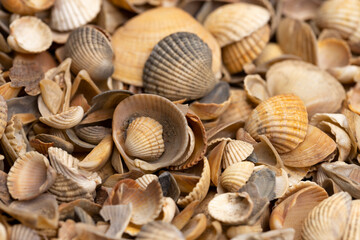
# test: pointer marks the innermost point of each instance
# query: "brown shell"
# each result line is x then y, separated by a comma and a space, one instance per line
3, 115
92, 134
90, 49
64, 120
179, 67
283, 119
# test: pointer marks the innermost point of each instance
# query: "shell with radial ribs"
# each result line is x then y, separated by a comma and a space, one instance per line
66, 119
282, 118
236, 175
3, 115
179, 67
90, 49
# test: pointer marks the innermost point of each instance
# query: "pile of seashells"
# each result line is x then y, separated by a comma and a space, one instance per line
180, 119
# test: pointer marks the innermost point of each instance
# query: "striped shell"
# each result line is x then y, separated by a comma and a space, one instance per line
352, 230
236, 175
179, 67
283, 119
16, 136
30, 176
145, 180
3, 115
92, 134
20, 231
90, 49
67, 15
66, 119
158, 230
236, 151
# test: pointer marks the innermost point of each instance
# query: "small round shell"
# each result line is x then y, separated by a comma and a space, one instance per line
236, 175
30, 176
66, 119
283, 119
236, 151
179, 67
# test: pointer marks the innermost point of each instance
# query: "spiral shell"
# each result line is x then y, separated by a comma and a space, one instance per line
90, 49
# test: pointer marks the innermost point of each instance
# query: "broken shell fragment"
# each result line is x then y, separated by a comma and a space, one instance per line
158, 230
92, 134
64, 120
3, 115
20, 231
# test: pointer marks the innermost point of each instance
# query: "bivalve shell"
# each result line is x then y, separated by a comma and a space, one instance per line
66, 119
158, 230
352, 230
3, 115
236, 151
283, 119
26, 7
236, 175
20, 231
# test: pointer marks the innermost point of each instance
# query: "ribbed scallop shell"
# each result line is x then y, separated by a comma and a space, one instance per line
14, 134
92, 134
236, 175
201, 188
328, 220
144, 139
283, 119
145, 180
352, 230
66, 119
158, 230
236, 151
233, 22
67, 15
90, 49
179, 67
20, 231
119, 216
133, 42
3, 115
30, 176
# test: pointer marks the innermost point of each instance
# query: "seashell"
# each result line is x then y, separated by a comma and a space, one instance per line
84, 85
144, 139
231, 208
175, 133
146, 179
234, 231
271, 51
304, 42
20, 231
302, 10
119, 216
329, 93
78, 144
236, 151
92, 134
8, 92
30, 176
279, 234
16, 136
288, 127
51, 94
352, 229
201, 188
67, 15
26, 28
256, 88
66, 119
328, 220
57, 141
330, 47
110, 17
90, 49
225, 130
184, 216
239, 108
195, 227
347, 74
83, 216
169, 185
292, 211
67, 165
168, 211
134, 41
315, 148
194, 78
26, 7
3, 115
160, 231
236, 175
98, 157
80, 100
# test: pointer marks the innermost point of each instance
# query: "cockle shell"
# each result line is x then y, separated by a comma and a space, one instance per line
133, 42
236, 175
64, 120
145, 180
179, 67
67, 15
26, 7
144, 139
283, 119
328, 220
24, 30
20, 231
236, 151
90, 49
158, 230
352, 230
92, 134
30, 176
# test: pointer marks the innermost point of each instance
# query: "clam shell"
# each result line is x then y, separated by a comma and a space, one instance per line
90, 49
16, 136
3, 115
236, 175
175, 133
119, 216
66, 119
316, 147
8, 92
92, 134
24, 30
67, 15
58, 142
331, 47
26, 7
144, 139
236, 151
195, 227
352, 230
328, 220
134, 41
184, 216
158, 230
145, 180
168, 211
231, 208
234, 231
295, 76
30, 176
256, 88
283, 119
185, 54
20, 231
239, 108
51, 94
279, 234
271, 51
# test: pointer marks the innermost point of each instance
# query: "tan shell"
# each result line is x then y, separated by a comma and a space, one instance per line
119, 216
8, 92
26, 7
188, 56
239, 108
283, 119
243, 229
51, 94
175, 133
325, 95
236, 151
231, 208
133, 42
347, 74
24, 30
333, 53
30, 176
20, 231
279, 234
236, 175
195, 227
316, 146
92, 134
144, 139
328, 220
66, 119
16, 136
209, 111
3, 115
67, 15
158, 230
256, 88
145, 180
352, 230
270, 52
90, 49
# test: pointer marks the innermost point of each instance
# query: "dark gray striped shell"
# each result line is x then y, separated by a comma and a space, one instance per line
179, 67
90, 49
